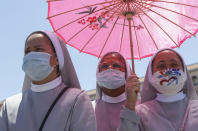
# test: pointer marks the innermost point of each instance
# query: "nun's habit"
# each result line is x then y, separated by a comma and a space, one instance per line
108, 113
153, 115
72, 112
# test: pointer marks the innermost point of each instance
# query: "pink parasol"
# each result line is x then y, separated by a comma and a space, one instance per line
135, 28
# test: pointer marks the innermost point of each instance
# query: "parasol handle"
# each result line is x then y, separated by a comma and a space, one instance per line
129, 18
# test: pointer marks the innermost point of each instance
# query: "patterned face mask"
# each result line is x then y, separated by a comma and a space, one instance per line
169, 82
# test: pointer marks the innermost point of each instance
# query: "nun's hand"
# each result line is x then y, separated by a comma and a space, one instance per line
132, 87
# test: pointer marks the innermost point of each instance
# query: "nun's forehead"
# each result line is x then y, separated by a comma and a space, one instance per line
113, 55
163, 55
35, 35
39, 38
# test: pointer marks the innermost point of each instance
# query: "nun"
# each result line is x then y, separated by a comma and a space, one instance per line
52, 99
111, 75
168, 101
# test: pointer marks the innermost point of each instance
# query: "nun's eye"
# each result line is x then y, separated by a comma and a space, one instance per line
39, 49
104, 66
116, 65
174, 65
161, 66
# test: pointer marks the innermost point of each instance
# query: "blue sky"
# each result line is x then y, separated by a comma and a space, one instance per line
19, 18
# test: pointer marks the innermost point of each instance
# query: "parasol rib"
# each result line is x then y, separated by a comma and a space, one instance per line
87, 26
160, 27
97, 32
168, 20
149, 33
122, 34
79, 9
176, 3
136, 38
173, 11
109, 34
84, 16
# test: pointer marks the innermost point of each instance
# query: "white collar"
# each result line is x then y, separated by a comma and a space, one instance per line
169, 99
116, 99
47, 86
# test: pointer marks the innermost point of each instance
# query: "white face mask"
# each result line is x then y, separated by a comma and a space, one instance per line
116, 99
37, 65
111, 79
168, 82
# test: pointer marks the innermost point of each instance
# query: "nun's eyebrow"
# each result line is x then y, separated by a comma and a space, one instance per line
161, 61
37, 46
174, 60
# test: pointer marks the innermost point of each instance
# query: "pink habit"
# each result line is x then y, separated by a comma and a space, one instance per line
108, 114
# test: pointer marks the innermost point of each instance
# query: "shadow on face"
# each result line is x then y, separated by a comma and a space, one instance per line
166, 59
115, 61
112, 61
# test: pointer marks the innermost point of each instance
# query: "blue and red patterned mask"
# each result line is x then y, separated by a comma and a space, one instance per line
169, 82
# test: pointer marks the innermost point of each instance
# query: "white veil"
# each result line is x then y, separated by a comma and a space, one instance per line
149, 92
66, 67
